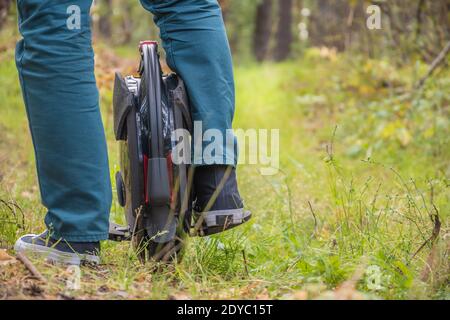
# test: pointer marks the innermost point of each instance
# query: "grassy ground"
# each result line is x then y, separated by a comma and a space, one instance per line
359, 209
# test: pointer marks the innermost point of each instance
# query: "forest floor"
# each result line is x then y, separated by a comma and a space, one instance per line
359, 209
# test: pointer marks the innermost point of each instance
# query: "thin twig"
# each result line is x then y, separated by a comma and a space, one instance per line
434, 235
245, 263
315, 219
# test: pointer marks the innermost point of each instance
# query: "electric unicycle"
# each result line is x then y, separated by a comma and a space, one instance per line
154, 192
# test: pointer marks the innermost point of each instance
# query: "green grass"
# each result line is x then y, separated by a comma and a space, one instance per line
364, 167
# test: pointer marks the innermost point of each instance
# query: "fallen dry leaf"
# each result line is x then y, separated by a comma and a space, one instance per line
264, 295
297, 295
300, 295
179, 296
346, 291
5, 258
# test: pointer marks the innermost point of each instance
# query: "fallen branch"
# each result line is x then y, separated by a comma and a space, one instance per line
30, 266
434, 65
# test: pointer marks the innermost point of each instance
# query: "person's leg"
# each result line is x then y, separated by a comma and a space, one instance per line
196, 45
55, 61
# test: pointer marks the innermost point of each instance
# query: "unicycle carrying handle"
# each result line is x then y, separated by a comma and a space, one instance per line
158, 188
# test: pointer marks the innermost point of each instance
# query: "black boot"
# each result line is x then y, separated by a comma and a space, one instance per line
217, 203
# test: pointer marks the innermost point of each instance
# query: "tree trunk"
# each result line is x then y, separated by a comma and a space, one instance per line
4, 7
104, 22
284, 31
263, 26
225, 6
127, 23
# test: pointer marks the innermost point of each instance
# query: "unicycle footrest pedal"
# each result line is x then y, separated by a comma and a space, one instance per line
118, 232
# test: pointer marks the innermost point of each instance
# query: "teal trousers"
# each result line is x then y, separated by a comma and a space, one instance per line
55, 62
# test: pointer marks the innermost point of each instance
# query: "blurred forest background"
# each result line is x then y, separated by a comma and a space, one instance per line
360, 207
281, 29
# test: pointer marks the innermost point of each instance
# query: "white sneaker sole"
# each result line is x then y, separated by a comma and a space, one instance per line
53, 255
